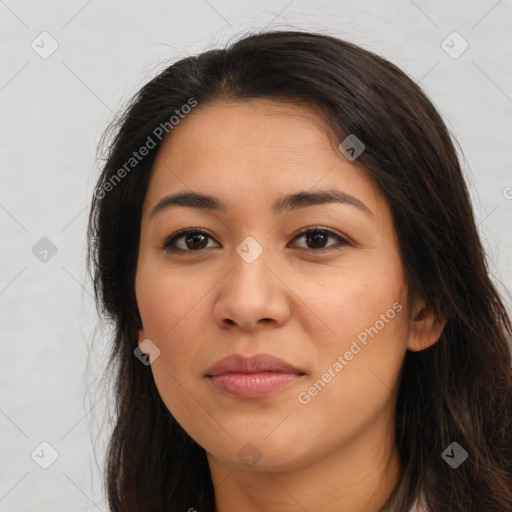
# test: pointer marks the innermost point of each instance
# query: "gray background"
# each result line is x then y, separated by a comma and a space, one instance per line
53, 112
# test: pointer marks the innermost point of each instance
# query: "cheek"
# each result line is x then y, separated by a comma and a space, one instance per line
166, 298
367, 326
170, 312
357, 374
172, 316
352, 299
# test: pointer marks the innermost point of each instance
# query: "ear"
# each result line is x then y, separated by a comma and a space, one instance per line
425, 327
140, 336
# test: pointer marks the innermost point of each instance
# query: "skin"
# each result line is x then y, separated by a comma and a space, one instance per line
294, 301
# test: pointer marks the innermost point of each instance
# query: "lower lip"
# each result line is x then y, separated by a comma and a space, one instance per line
253, 385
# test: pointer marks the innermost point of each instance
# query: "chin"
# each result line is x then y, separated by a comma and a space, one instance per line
261, 454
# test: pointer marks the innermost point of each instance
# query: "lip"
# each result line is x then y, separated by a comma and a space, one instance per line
252, 377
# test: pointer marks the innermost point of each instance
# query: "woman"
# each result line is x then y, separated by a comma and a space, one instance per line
304, 319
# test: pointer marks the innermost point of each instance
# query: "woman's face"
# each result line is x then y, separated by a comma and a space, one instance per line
250, 283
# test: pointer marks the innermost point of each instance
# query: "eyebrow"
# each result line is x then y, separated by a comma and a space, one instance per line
289, 202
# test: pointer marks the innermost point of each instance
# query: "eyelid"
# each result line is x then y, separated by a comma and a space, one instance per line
167, 245
324, 229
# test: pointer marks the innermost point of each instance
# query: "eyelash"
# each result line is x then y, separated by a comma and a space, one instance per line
168, 244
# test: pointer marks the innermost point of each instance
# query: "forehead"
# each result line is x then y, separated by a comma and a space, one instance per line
256, 118
253, 151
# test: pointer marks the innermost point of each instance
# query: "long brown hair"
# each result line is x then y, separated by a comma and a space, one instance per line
458, 390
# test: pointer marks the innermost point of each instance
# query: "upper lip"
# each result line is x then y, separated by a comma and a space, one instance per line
237, 363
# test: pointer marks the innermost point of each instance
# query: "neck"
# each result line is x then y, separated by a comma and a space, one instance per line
359, 475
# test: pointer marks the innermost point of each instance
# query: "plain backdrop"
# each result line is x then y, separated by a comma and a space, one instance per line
67, 68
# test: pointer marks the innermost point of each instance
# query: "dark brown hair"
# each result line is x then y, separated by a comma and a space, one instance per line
458, 390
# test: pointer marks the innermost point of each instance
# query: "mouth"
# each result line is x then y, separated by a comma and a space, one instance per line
252, 377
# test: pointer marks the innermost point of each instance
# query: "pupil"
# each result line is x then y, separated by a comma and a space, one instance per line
194, 239
317, 237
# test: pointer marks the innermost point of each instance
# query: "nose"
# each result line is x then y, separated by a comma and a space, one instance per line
252, 295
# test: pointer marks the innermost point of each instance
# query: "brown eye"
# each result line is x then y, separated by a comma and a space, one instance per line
196, 241
188, 241
316, 238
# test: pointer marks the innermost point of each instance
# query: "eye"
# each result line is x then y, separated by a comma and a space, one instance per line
195, 240
188, 241
317, 236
